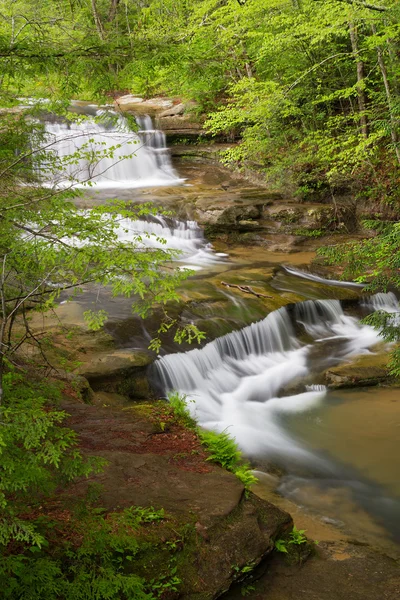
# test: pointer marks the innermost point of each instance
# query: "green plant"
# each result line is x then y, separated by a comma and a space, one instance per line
95, 558
246, 590
178, 403
37, 454
224, 451
296, 537
311, 233
244, 570
222, 448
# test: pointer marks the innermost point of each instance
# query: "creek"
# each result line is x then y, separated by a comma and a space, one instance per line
331, 452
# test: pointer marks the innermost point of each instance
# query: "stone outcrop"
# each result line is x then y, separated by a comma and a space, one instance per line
137, 105
122, 371
219, 528
177, 119
367, 370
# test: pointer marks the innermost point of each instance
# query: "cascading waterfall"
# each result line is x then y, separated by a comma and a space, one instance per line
186, 236
383, 301
104, 152
238, 382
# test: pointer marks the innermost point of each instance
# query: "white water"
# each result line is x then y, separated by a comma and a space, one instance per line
185, 236
102, 151
383, 301
311, 277
237, 382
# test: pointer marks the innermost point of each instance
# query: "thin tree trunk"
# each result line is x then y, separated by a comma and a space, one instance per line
113, 10
360, 80
3, 325
382, 66
97, 21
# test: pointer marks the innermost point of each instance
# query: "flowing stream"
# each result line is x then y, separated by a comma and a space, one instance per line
261, 383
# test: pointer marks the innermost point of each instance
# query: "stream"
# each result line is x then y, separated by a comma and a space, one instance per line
334, 454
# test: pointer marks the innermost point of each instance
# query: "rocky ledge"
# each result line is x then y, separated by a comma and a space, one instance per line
211, 527
179, 120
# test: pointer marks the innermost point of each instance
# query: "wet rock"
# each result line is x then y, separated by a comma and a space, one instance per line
365, 371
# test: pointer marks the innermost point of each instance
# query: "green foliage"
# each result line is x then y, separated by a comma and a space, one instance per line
244, 570
312, 233
247, 590
94, 561
95, 320
178, 403
224, 451
37, 454
296, 538
280, 545
222, 448
186, 333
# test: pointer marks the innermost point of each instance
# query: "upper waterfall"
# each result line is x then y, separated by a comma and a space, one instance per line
102, 150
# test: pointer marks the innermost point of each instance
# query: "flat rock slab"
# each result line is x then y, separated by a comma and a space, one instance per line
165, 466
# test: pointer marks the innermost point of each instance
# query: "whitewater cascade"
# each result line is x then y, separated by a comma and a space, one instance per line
311, 277
162, 232
186, 237
103, 151
245, 381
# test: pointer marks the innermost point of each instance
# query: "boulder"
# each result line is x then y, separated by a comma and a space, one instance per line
137, 105
178, 109
120, 371
215, 529
367, 370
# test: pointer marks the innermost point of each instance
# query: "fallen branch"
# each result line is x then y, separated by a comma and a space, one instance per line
245, 288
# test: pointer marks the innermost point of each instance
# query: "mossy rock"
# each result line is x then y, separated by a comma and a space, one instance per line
367, 370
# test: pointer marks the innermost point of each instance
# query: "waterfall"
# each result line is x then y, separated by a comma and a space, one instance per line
160, 232
242, 382
184, 237
103, 151
383, 301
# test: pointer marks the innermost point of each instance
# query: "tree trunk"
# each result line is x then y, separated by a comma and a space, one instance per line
393, 124
113, 10
360, 80
97, 21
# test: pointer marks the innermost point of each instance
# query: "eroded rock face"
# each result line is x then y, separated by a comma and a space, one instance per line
122, 371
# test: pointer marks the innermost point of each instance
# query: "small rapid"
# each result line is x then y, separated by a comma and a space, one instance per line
185, 239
